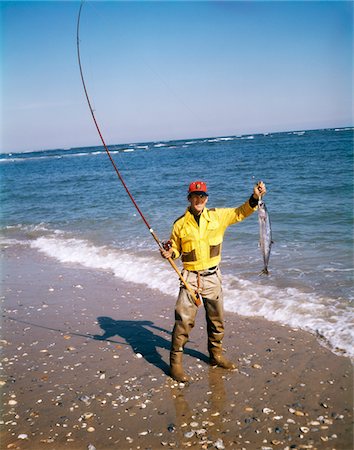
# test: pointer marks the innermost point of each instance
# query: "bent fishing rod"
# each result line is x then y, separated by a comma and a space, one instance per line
195, 295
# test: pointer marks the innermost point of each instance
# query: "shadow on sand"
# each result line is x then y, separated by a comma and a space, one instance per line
139, 334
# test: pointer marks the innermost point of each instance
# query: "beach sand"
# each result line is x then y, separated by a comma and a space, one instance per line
85, 365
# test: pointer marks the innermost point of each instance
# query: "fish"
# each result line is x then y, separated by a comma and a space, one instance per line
265, 235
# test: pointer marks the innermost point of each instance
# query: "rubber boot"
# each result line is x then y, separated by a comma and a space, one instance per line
176, 369
218, 360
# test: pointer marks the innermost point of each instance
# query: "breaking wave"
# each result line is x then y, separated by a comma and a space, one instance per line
329, 319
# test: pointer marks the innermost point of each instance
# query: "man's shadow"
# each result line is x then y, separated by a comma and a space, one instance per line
140, 336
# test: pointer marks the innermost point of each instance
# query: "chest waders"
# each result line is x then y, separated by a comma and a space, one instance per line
208, 284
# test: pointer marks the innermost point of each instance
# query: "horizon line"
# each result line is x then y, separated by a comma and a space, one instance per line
9, 152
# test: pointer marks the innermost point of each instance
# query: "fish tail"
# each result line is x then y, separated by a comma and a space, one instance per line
264, 272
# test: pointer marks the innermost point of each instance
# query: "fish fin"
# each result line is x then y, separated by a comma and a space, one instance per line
264, 272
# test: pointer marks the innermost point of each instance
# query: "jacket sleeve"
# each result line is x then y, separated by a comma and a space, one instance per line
229, 216
176, 243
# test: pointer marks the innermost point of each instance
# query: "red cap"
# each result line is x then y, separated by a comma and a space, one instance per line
198, 187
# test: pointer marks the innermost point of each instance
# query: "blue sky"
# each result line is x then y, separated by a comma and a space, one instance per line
169, 70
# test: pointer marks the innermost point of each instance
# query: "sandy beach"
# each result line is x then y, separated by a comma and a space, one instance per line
85, 366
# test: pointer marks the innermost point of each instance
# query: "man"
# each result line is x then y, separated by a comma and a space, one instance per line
197, 238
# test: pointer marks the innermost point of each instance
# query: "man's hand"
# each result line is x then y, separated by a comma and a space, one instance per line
259, 190
166, 253
166, 249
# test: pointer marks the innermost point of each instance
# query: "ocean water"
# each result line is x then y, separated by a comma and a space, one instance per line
70, 205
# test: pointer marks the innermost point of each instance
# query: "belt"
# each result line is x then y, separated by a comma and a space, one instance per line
206, 272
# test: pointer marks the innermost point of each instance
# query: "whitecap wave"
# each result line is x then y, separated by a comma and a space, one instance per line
131, 268
323, 316
326, 317
220, 139
69, 155
7, 160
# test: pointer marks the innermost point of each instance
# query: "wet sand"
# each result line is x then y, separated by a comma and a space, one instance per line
85, 366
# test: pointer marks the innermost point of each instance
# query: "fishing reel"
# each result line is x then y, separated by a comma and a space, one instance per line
166, 245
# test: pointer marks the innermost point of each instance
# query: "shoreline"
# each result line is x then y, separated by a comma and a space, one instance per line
85, 361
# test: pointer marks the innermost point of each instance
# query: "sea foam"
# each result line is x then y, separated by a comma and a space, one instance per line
288, 306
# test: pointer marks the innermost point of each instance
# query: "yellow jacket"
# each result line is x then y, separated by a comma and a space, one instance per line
200, 246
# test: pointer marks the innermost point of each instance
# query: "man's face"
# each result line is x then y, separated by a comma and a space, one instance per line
197, 201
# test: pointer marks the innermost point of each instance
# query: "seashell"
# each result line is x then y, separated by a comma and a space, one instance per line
267, 410
219, 444
22, 436
12, 402
189, 434
315, 423
86, 399
171, 428
324, 405
201, 431
304, 429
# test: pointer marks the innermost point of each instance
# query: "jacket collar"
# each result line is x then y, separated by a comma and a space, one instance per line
205, 214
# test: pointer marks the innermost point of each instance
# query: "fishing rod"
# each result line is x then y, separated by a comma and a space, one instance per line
195, 295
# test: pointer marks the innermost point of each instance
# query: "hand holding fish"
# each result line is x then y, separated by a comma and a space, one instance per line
259, 190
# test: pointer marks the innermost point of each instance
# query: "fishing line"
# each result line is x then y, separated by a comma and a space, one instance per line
196, 298
175, 94
98, 128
